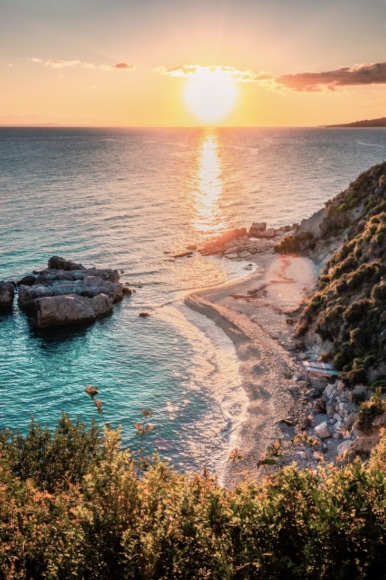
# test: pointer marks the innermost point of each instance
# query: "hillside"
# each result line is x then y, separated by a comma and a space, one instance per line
347, 312
381, 122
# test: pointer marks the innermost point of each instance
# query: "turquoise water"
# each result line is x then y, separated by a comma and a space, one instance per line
130, 199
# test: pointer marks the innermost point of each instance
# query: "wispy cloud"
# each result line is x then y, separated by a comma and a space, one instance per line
357, 75
242, 76
56, 64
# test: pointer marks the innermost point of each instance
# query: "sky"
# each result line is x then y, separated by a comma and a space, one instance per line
129, 62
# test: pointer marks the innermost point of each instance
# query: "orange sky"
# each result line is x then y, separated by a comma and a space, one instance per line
119, 63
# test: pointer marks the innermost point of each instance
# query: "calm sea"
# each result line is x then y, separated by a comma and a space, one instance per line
130, 199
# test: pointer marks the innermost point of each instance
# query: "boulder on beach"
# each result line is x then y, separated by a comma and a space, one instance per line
7, 292
69, 294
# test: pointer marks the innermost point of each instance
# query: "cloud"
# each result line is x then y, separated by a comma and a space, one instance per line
357, 75
56, 64
118, 66
243, 76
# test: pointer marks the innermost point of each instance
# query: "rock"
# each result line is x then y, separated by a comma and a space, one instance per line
344, 447
319, 406
187, 254
256, 229
57, 263
268, 233
144, 314
27, 280
322, 431
53, 311
70, 294
215, 246
304, 421
103, 305
91, 286
127, 291
7, 293
329, 391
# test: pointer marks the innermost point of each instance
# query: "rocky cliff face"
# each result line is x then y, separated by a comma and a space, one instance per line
347, 312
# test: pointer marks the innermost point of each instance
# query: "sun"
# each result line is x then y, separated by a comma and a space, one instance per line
210, 94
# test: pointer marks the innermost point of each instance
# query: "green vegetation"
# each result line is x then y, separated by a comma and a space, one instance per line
349, 306
73, 504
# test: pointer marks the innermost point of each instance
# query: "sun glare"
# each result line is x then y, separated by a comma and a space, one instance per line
210, 94
208, 186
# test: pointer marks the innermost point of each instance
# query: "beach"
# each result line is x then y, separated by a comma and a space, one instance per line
257, 313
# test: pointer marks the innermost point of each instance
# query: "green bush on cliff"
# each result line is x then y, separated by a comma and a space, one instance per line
348, 307
104, 518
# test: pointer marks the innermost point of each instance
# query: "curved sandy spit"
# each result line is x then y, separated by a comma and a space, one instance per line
256, 314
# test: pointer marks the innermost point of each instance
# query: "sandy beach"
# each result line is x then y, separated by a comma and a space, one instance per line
257, 314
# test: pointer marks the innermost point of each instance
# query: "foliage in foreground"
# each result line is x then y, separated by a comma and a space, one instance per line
72, 504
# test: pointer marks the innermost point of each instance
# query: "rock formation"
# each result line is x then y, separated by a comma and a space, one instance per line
7, 292
66, 293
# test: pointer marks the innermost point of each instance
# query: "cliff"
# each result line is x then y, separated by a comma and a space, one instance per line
347, 311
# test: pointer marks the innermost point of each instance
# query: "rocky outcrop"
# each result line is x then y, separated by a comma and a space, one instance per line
7, 292
238, 244
66, 294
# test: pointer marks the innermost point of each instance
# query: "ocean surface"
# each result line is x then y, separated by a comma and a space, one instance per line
130, 199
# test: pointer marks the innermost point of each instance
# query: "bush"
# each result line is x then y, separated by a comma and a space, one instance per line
368, 411
120, 522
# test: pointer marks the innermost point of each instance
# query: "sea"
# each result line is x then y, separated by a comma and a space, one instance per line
132, 199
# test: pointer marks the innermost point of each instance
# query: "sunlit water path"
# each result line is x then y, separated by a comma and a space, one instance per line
130, 199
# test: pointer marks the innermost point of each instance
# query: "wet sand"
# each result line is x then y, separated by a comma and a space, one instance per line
257, 314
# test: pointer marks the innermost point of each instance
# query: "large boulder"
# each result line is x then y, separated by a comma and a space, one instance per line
53, 311
7, 293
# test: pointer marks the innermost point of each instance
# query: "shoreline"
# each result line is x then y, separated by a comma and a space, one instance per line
255, 312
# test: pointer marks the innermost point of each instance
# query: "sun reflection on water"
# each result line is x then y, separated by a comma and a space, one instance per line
208, 215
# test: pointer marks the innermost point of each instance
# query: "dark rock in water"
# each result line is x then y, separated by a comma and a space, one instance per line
144, 314
127, 291
69, 295
183, 255
27, 280
53, 311
57, 263
7, 293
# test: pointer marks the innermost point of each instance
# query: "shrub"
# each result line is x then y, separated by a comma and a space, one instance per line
119, 523
290, 245
369, 410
